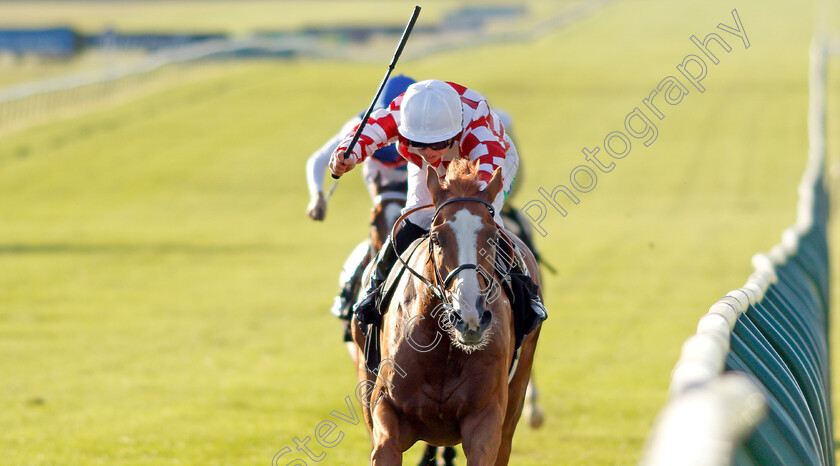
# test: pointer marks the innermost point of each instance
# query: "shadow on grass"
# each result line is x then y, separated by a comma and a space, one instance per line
137, 248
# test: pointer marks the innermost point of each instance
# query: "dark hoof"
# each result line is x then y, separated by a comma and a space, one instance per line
429, 457
449, 456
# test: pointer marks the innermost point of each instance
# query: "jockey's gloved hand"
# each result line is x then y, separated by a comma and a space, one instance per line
340, 165
317, 208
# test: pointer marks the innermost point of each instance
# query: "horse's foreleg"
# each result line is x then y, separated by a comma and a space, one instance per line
353, 350
517, 396
533, 412
482, 436
386, 448
505, 444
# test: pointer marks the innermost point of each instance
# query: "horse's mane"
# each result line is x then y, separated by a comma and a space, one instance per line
462, 178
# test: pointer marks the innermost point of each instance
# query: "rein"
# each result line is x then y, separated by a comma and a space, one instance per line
436, 290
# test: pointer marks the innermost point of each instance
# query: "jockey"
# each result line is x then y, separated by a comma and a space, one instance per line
432, 123
385, 161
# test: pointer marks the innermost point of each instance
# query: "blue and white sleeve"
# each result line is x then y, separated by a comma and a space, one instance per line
318, 162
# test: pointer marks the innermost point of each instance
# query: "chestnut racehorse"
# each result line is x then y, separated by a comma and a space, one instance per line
447, 344
388, 201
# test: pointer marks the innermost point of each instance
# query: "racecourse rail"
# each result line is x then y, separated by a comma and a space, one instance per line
753, 386
24, 103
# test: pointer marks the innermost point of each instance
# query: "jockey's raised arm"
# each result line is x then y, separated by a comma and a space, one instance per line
380, 131
317, 163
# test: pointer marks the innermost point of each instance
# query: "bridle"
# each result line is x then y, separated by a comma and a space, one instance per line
439, 288
444, 282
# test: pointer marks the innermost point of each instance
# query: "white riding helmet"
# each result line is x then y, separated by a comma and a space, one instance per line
430, 112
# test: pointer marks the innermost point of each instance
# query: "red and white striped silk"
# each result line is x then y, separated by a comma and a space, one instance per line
482, 135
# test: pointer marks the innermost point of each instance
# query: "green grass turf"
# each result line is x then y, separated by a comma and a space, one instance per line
163, 298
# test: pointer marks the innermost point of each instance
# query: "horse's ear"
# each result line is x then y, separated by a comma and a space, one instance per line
495, 184
433, 182
377, 182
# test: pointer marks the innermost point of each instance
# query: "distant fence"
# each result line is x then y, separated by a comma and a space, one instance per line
149, 41
64, 41
753, 385
24, 103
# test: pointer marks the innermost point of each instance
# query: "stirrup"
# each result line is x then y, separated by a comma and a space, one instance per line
338, 306
342, 304
539, 311
367, 309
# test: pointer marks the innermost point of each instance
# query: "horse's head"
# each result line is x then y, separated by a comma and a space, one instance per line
388, 201
462, 243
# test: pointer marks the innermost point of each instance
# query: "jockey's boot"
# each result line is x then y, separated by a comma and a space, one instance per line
350, 279
540, 314
344, 300
340, 301
367, 309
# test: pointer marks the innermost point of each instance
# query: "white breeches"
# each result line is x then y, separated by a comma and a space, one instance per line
371, 167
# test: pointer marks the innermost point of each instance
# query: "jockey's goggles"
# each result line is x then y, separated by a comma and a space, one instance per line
432, 145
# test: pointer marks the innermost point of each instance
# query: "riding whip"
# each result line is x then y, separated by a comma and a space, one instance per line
400, 47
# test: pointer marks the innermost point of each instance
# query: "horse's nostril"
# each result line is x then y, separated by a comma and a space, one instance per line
456, 321
486, 318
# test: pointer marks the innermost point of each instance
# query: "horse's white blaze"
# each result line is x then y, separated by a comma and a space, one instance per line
392, 213
466, 290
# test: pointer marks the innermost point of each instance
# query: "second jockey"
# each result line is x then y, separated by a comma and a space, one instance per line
385, 161
432, 123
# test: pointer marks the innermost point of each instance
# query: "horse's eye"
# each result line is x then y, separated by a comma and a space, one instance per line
435, 239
